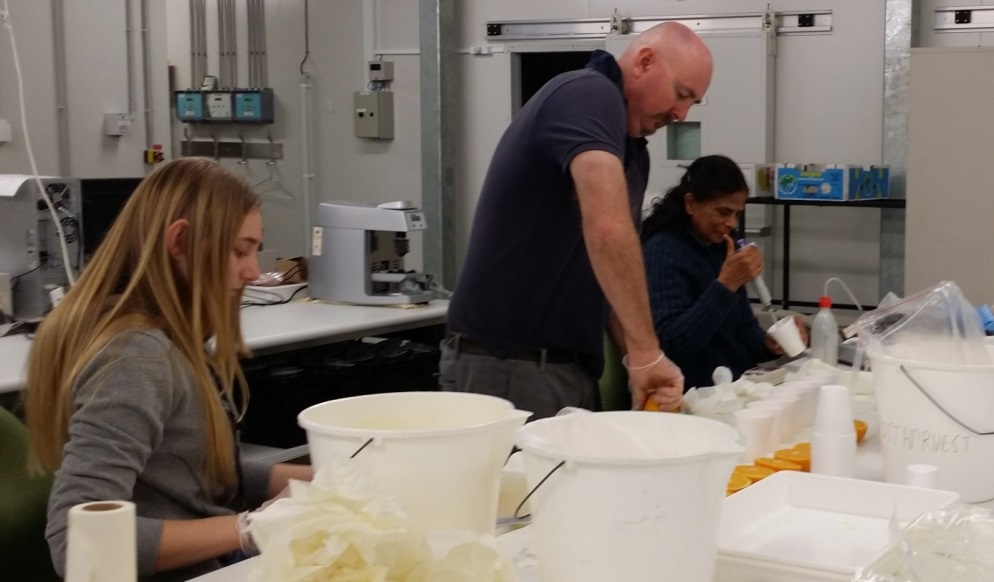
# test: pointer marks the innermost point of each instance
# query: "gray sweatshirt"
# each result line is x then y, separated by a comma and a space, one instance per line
137, 433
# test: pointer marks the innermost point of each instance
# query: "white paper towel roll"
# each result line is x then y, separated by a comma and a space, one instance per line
101, 543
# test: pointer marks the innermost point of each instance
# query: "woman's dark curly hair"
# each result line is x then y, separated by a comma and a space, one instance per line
707, 178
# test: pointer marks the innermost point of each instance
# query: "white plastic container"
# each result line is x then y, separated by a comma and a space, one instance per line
941, 415
627, 495
438, 453
800, 527
825, 333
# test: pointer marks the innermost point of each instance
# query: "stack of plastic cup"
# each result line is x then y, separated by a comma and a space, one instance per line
833, 438
756, 427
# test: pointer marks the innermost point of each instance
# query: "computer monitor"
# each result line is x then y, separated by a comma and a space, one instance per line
102, 200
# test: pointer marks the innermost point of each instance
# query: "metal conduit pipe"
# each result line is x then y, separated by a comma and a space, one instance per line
201, 42
263, 65
129, 52
61, 90
222, 44
147, 75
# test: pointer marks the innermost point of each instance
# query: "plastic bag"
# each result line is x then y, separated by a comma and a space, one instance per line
936, 326
950, 545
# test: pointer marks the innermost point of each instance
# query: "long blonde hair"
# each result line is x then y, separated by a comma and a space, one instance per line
132, 283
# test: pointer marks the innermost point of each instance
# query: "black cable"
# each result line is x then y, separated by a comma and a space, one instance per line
16, 278
280, 302
307, 38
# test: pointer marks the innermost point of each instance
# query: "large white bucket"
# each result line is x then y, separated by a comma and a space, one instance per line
633, 496
438, 453
941, 415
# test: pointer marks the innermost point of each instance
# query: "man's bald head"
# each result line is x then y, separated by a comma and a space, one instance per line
665, 70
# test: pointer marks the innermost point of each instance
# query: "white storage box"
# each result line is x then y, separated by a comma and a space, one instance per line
800, 527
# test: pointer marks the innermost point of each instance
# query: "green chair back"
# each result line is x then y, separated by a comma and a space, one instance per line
24, 553
613, 383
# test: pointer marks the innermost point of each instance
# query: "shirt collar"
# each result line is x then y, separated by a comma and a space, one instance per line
604, 63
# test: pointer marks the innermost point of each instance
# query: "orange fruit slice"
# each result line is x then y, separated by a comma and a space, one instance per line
801, 457
753, 472
860, 430
737, 482
777, 464
805, 446
651, 405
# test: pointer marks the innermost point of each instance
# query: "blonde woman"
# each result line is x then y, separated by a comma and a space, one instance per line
124, 401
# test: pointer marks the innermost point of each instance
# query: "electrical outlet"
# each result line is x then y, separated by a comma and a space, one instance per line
6, 295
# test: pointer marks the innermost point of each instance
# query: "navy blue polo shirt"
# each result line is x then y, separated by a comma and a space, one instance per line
527, 281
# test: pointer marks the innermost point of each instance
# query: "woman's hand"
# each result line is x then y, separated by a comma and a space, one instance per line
740, 266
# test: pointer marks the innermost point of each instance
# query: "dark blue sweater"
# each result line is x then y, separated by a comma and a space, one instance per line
701, 324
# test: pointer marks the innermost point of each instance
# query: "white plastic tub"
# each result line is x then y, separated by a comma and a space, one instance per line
801, 527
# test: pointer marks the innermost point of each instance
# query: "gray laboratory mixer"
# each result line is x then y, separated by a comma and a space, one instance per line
357, 254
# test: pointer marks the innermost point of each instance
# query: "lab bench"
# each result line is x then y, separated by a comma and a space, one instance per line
278, 329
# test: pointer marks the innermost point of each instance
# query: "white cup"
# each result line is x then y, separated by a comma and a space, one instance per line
834, 414
756, 426
781, 424
792, 414
922, 475
809, 402
833, 454
787, 335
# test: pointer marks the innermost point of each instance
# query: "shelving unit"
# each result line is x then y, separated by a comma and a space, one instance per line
785, 301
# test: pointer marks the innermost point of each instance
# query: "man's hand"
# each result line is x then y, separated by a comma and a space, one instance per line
662, 382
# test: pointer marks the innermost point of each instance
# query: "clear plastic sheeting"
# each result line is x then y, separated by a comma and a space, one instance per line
937, 326
953, 545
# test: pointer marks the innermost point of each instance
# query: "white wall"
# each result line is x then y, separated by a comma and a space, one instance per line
828, 105
97, 84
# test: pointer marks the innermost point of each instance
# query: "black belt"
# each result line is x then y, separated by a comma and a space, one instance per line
465, 345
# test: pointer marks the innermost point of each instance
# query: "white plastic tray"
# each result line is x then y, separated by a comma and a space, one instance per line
795, 526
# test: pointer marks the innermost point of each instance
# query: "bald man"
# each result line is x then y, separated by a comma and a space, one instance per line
554, 253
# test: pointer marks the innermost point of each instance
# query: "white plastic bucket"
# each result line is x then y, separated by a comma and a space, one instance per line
627, 495
941, 415
438, 453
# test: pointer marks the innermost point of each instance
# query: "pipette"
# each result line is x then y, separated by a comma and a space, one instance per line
759, 287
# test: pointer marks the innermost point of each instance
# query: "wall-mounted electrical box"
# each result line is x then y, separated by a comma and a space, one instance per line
235, 105
190, 106
380, 71
374, 114
117, 124
254, 105
218, 106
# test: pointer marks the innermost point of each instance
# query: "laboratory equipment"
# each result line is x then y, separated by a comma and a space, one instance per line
29, 245
357, 254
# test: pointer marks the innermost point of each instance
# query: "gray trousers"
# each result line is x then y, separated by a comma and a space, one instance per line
543, 389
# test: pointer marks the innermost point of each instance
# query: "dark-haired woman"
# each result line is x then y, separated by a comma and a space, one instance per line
697, 274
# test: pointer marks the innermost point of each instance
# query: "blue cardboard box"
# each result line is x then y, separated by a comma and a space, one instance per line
831, 182
869, 182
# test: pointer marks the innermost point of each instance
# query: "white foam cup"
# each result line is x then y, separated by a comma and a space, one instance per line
780, 421
756, 427
809, 402
793, 412
922, 475
787, 335
834, 413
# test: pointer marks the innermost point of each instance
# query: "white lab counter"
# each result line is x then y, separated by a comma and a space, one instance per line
275, 328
